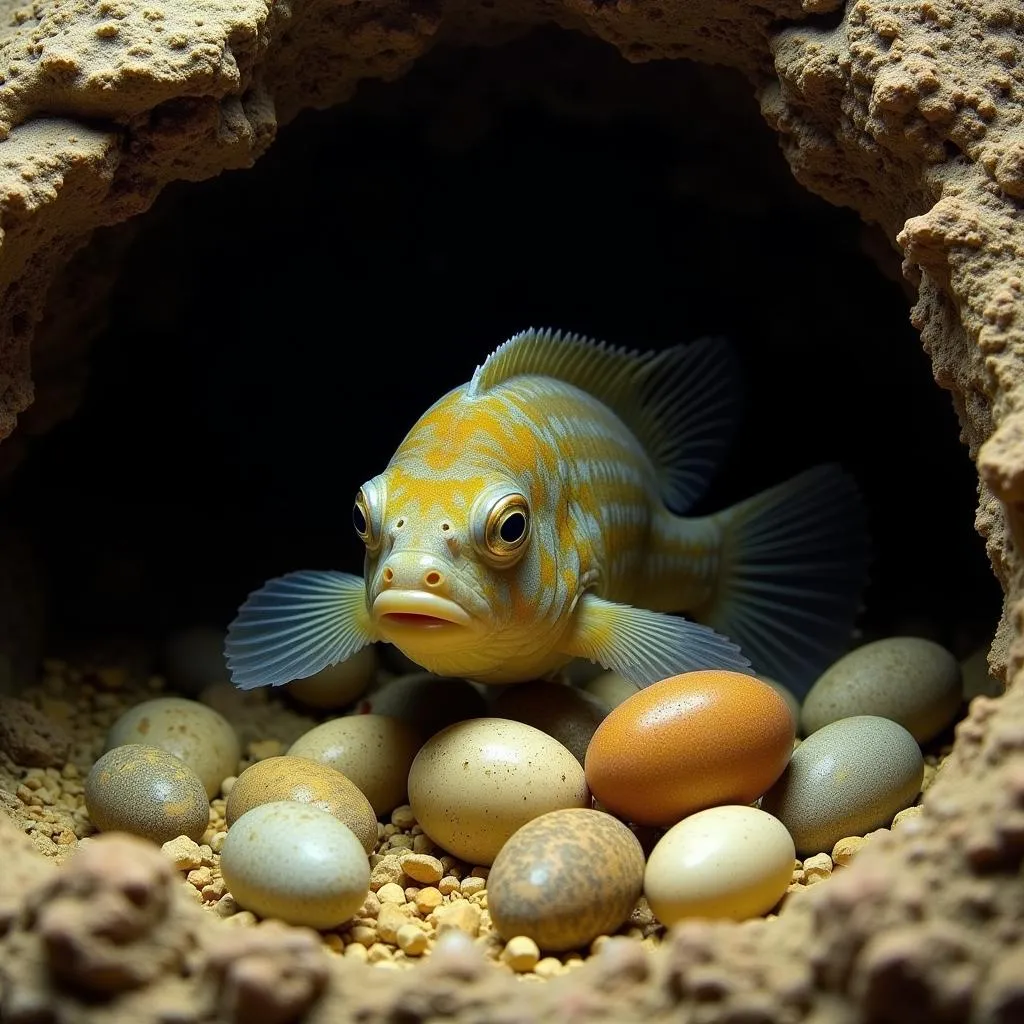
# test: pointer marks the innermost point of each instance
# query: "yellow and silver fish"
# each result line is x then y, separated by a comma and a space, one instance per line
533, 516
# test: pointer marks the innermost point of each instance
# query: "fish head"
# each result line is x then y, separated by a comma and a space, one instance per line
460, 565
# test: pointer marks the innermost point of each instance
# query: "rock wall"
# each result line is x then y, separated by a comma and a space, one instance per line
908, 112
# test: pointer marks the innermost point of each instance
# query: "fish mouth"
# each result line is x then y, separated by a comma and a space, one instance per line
415, 609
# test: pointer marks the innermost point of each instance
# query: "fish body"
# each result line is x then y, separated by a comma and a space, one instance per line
533, 515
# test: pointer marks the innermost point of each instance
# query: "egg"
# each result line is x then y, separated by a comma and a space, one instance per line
426, 701
913, 681
731, 862
846, 779
204, 739
690, 742
564, 878
337, 685
308, 782
609, 688
569, 715
373, 751
978, 681
296, 863
473, 784
787, 695
148, 792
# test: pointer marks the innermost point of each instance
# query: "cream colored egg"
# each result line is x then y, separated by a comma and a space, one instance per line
337, 685
204, 739
473, 784
731, 862
610, 688
373, 751
296, 863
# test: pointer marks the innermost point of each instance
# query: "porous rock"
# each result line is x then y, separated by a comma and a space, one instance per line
907, 111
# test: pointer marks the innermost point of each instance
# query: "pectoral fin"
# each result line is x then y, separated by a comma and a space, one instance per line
645, 646
296, 625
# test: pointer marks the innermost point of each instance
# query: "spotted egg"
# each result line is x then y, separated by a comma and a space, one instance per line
690, 742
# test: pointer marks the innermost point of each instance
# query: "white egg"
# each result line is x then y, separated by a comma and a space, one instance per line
731, 862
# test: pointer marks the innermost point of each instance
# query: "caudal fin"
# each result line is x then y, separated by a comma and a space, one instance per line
794, 566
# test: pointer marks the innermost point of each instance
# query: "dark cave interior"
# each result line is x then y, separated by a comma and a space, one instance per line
273, 333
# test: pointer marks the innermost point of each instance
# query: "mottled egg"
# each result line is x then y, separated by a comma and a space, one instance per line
426, 701
565, 878
308, 782
337, 685
296, 863
148, 792
846, 779
731, 862
373, 751
200, 736
689, 742
913, 681
473, 784
564, 712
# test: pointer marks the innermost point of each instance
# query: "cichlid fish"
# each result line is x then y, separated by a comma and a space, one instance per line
534, 515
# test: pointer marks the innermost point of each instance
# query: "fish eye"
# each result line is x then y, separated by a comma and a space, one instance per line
507, 528
367, 511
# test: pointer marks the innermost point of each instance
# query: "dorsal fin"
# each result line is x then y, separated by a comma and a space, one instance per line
682, 404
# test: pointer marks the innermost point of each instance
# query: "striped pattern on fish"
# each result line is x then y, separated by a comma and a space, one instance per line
533, 515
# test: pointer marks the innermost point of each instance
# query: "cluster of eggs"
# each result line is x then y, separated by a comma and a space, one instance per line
548, 786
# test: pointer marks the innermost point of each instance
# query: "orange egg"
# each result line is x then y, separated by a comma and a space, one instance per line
689, 742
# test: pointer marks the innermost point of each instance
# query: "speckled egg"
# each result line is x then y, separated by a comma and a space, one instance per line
337, 685
296, 863
373, 751
846, 779
564, 712
565, 878
475, 783
308, 782
202, 738
913, 681
426, 701
148, 792
731, 862
689, 742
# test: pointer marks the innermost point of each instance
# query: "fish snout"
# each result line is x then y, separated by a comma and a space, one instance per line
415, 570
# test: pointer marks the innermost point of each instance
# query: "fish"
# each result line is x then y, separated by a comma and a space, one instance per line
537, 514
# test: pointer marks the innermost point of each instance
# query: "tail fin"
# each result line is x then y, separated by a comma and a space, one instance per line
794, 566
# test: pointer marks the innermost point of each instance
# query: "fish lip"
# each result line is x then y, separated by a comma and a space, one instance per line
418, 602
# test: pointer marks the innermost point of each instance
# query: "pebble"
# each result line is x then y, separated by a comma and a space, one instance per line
564, 878
731, 862
148, 792
521, 954
423, 868
846, 849
308, 782
908, 679
563, 712
337, 685
297, 863
689, 742
373, 751
203, 738
474, 783
845, 779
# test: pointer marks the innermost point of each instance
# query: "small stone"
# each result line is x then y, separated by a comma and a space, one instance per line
845, 850
817, 868
389, 921
184, 853
521, 954
428, 900
402, 817
461, 915
387, 869
391, 893
412, 941
472, 886
906, 814
423, 868
448, 885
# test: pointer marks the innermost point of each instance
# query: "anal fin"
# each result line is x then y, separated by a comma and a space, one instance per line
645, 646
295, 625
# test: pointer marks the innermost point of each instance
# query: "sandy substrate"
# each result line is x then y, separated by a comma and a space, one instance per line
910, 113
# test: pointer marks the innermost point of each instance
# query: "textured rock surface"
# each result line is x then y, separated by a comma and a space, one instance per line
908, 112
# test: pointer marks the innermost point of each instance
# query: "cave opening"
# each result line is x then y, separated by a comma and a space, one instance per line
272, 334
